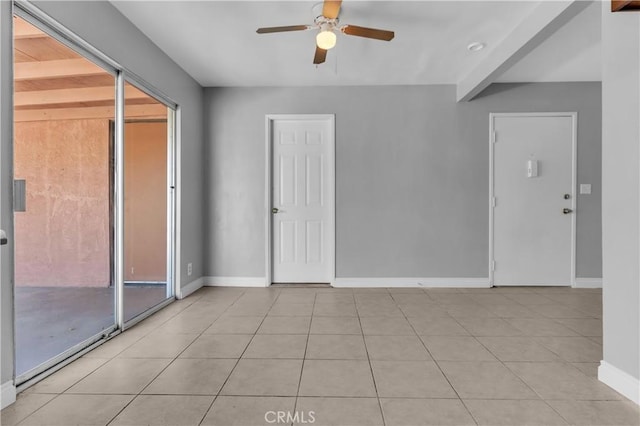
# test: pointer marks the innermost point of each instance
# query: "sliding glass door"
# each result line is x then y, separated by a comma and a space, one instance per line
94, 202
147, 194
64, 289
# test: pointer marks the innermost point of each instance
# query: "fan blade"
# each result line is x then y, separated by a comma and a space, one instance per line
355, 30
282, 29
320, 56
331, 8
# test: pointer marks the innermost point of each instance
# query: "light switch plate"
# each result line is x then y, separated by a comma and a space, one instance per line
19, 195
585, 188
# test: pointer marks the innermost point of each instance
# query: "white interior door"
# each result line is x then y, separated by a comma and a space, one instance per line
301, 200
533, 186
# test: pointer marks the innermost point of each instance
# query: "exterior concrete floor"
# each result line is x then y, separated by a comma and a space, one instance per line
50, 320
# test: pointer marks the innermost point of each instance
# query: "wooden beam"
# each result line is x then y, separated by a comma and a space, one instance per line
63, 96
132, 111
56, 69
625, 5
543, 21
617, 5
23, 29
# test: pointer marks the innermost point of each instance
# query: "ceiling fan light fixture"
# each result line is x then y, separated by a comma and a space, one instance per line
326, 24
326, 39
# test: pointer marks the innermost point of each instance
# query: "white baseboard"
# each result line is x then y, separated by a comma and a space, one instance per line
235, 281
193, 286
588, 283
412, 282
7, 394
619, 381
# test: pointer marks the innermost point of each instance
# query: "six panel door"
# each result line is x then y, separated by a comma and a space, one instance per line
301, 208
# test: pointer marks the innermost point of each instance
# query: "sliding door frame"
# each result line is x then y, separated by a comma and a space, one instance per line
59, 32
171, 287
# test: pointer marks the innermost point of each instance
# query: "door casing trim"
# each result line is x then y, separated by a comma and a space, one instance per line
574, 167
269, 120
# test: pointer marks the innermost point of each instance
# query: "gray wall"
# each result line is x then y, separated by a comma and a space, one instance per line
412, 172
100, 24
621, 190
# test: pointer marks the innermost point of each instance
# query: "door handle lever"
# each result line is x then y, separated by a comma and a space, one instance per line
274, 210
567, 211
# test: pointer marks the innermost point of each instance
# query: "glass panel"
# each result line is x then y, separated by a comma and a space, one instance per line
64, 110
146, 278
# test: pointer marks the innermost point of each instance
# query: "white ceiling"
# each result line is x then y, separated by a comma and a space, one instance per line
573, 53
216, 42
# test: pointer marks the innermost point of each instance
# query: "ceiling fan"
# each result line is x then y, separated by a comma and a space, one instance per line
327, 24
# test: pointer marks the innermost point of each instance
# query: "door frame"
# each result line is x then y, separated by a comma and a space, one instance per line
574, 175
171, 187
269, 120
59, 32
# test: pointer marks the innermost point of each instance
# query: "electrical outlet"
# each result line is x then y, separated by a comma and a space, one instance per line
189, 268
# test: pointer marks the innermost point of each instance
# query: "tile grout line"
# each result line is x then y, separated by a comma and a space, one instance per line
304, 356
436, 362
65, 391
215, 397
511, 371
170, 363
240, 356
396, 299
373, 377
506, 366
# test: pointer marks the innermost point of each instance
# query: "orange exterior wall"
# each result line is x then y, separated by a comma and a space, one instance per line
63, 238
145, 201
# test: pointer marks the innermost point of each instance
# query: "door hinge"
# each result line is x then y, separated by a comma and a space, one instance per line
493, 265
494, 137
494, 201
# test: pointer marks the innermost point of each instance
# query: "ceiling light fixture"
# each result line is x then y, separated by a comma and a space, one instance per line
326, 39
475, 46
327, 26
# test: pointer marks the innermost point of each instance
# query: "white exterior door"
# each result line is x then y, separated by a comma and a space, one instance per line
301, 199
534, 199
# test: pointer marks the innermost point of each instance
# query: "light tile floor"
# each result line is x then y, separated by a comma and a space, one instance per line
231, 356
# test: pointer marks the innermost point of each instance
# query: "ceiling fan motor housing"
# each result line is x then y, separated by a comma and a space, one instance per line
326, 24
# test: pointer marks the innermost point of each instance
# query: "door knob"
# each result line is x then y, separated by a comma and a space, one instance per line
567, 211
274, 210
